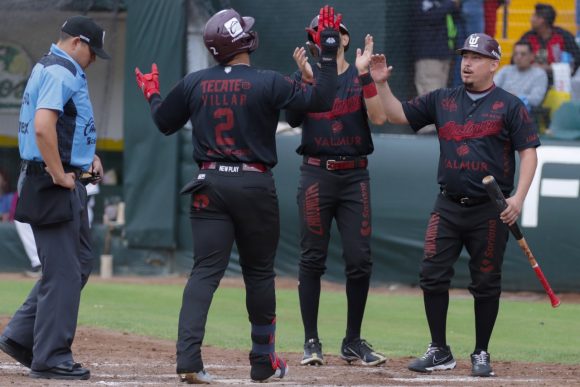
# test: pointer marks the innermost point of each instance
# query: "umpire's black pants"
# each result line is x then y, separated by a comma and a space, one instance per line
47, 320
228, 207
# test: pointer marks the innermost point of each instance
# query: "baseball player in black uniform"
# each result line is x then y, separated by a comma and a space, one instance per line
334, 183
480, 127
234, 111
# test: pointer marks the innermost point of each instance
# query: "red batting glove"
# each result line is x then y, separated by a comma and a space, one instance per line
148, 83
326, 20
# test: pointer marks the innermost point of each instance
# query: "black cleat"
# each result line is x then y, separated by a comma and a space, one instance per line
481, 364
435, 359
361, 350
267, 366
312, 353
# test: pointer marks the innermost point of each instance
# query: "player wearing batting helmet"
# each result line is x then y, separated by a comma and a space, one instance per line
234, 110
334, 184
480, 128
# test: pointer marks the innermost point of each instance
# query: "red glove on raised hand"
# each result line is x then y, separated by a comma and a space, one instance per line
148, 83
326, 36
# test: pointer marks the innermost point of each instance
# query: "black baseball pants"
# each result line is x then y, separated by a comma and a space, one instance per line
228, 207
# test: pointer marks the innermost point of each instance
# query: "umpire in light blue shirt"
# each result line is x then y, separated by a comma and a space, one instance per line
57, 140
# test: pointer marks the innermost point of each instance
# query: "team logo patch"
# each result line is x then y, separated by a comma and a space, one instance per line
233, 27
474, 41
463, 150
365, 229
497, 105
337, 127
200, 201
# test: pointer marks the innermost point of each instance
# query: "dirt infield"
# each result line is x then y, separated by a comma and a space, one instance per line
121, 359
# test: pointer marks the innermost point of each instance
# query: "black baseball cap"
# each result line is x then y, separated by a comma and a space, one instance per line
89, 32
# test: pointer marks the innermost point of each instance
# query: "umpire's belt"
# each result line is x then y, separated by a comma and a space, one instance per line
335, 163
464, 200
39, 168
246, 167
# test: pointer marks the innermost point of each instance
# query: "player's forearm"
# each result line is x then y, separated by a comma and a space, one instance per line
172, 113
528, 163
391, 105
325, 89
375, 111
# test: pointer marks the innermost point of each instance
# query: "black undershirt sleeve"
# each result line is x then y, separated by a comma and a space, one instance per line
170, 114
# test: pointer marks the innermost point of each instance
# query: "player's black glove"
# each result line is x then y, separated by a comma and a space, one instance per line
327, 36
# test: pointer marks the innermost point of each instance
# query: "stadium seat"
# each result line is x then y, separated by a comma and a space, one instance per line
565, 123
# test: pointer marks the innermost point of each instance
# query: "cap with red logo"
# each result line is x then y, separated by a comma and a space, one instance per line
482, 44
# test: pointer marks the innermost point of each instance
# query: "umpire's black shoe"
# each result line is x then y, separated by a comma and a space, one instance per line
67, 370
481, 364
16, 351
312, 353
360, 349
267, 366
435, 359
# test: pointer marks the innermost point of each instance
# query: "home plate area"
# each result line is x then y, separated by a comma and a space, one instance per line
123, 359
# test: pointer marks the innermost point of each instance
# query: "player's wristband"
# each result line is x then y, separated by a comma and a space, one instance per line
369, 88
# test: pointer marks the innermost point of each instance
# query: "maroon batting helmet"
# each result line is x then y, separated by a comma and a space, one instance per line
227, 34
482, 44
314, 26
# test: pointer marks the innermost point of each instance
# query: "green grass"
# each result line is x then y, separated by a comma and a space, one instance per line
395, 324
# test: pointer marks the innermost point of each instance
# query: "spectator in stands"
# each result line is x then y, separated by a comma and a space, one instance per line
490, 15
6, 196
549, 41
430, 43
470, 20
522, 79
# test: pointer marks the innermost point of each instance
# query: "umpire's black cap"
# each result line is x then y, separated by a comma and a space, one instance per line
482, 44
89, 31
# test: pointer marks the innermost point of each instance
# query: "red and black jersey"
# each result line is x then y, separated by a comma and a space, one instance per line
344, 130
548, 51
476, 137
234, 110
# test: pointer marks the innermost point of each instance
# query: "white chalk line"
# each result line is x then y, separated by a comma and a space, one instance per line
156, 378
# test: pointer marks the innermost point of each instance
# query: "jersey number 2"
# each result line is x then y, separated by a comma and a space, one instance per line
224, 126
